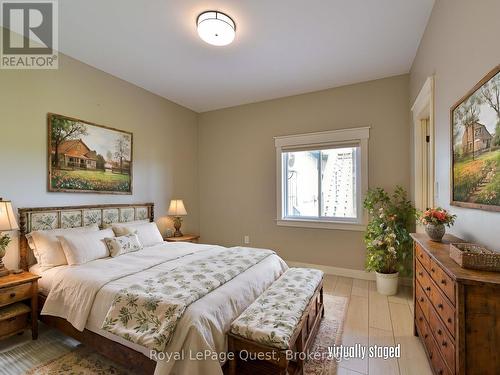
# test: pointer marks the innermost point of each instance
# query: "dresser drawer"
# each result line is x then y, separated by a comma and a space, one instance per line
15, 293
422, 256
422, 300
444, 341
443, 308
422, 277
443, 281
421, 323
13, 325
437, 361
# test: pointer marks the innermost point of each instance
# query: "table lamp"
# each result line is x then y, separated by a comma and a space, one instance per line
7, 222
177, 210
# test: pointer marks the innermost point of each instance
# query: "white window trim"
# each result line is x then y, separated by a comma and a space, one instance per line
318, 139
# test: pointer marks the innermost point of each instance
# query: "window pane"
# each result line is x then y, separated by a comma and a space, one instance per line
338, 182
301, 183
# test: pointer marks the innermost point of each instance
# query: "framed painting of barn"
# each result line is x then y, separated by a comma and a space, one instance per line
475, 148
88, 158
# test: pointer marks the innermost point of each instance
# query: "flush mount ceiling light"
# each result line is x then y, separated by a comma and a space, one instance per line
216, 28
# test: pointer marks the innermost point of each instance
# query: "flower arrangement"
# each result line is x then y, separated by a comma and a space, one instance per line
387, 237
437, 216
434, 221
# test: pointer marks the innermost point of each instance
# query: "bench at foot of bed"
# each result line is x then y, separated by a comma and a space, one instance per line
270, 335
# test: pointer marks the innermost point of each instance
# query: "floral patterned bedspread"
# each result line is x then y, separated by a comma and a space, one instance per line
273, 317
147, 313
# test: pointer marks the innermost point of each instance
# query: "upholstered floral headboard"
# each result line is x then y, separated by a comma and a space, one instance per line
43, 218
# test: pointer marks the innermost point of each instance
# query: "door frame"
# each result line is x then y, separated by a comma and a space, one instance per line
424, 179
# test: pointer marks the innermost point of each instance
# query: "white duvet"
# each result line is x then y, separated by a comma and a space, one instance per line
83, 294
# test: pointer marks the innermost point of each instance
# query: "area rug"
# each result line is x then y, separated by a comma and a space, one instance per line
19, 354
329, 334
56, 354
81, 361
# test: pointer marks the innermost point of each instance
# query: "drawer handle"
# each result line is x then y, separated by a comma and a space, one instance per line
439, 332
443, 282
440, 306
430, 355
449, 320
12, 295
420, 319
421, 274
440, 372
428, 288
433, 270
444, 343
426, 335
421, 299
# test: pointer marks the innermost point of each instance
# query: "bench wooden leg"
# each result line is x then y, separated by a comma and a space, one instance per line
321, 301
283, 367
232, 367
232, 363
300, 349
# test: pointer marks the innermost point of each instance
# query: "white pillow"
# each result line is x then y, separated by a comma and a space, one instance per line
148, 233
126, 224
123, 244
47, 248
81, 248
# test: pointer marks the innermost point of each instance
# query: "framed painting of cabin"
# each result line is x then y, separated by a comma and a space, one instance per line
88, 158
475, 148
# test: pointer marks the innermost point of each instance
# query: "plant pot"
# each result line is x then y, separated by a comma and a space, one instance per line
387, 283
435, 232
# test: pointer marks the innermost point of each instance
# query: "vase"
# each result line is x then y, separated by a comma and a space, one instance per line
435, 231
387, 283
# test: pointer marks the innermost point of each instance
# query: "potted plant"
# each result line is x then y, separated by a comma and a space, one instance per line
434, 221
387, 237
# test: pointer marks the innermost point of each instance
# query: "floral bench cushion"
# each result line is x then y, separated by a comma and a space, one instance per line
272, 318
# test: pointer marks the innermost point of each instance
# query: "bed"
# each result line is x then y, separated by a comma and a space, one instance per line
76, 299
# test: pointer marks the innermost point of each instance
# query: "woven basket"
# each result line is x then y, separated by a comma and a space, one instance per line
477, 257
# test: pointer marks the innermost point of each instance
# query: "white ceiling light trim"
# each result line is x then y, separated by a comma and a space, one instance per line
216, 28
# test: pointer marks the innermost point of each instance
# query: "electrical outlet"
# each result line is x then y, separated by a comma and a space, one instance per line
246, 239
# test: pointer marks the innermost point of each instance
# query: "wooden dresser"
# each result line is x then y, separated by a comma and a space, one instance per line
457, 311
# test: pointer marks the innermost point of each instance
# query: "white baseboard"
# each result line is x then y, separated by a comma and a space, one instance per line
338, 271
346, 272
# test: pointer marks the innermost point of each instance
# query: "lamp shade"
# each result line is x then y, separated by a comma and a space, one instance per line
177, 208
7, 218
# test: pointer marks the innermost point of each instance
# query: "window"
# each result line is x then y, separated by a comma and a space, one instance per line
321, 179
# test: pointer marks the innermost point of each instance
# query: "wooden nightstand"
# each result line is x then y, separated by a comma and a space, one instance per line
15, 291
186, 238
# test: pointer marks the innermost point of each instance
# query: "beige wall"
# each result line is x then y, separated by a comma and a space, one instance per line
228, 155
237, 165
459, 46
165, 138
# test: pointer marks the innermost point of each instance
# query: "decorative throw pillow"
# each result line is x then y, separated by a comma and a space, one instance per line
123, 244
125, 224
47, 247
148, 233
81, 248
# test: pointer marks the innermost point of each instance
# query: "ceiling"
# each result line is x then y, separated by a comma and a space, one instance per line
281, 47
